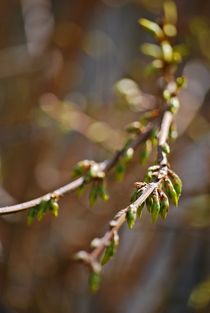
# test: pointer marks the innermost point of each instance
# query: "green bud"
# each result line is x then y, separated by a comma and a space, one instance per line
94, 281
54, 207
32, 214
119, 171
149, 202
154, 136
81, 168
151, 26
128, 155
155, 207
140, 209
145, 153
134, 127
169, 30
174, 105
164, 205
166, 94
131, 216
170, 191
172, 132
167, 51
170, 11
165, 148
93, 195
42, 208
180, 82
102, 192
177, 183
152, 50
136, 194
109, 252
148, 176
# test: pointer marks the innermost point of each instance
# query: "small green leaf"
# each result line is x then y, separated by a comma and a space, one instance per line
94, 281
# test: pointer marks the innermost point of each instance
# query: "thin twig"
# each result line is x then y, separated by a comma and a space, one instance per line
105, 166
120, 218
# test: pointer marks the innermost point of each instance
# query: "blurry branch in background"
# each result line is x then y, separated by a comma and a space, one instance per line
160, 183
69, 118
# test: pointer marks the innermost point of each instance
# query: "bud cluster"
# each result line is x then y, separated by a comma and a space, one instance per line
45, 206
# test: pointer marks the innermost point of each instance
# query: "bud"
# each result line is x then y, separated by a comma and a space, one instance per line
152, 50
131, 216
42, 208
53, 205
119, 171
167, 51
93, 195
174, 105
94, 281
96, 242
32, 214
128, 155
155, 207
140, 209
164, 205
134, 127
170, 191
172, 132
102, 192
153, 27
81, 256
177, 183
136, 194
149, 202
165, 148
145, 153
109, 252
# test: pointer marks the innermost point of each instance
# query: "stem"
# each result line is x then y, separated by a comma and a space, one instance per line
105, 166
120, 218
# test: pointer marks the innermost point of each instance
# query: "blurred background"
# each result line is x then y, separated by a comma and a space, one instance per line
59, 60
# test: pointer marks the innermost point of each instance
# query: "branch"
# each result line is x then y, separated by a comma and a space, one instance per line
120, 218
105, 166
